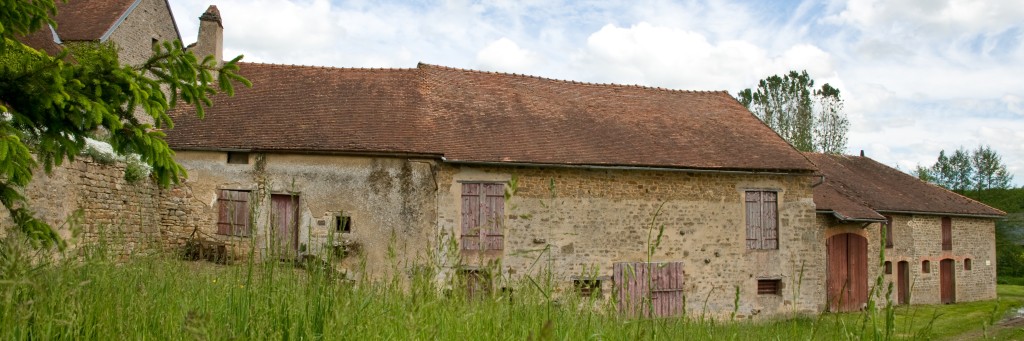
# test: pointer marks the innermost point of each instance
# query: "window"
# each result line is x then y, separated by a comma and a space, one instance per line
887, 230
483, 206
762, 220
947, 233
587, 287
342, 223
888, 268
967, 264
926, 267
769, 287
238, 158
233, 213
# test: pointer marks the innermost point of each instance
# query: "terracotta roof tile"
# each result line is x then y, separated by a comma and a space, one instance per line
474, 116
87, 20
865, 182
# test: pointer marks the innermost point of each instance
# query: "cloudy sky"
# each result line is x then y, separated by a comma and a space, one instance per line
917, 76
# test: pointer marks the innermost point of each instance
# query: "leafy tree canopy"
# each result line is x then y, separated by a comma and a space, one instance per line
966, 171
49, 104
811, 119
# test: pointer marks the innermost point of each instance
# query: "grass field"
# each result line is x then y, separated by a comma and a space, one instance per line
161, 298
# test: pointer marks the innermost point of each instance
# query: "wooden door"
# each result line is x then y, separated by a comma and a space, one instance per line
903, 282
947, 281
847, 271
285, 224
649, 289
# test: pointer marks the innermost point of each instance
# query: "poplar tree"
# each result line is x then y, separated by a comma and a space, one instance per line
810, 119
50, 104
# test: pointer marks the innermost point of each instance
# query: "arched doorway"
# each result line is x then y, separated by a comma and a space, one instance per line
847, 255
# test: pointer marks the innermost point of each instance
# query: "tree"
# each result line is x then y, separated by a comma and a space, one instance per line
810, 119
989, 170
979, 170
49, 104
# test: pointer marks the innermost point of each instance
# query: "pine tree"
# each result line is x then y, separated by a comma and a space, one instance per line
50, 104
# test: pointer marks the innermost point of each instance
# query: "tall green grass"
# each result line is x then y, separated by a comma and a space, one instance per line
157, 297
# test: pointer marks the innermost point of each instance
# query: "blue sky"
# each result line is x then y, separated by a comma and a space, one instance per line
917, 76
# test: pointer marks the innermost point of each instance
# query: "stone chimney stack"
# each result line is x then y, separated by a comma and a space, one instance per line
211, 36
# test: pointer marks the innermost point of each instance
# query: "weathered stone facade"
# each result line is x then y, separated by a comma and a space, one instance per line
584, 220
150, 21
918, 238
389, 201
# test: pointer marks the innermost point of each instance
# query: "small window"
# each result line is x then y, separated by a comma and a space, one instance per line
967, 264
587, 287
887, 230
762, 208
947, 233
769, 287
238, 158
888, 268
233, 213
926, 267
342, 224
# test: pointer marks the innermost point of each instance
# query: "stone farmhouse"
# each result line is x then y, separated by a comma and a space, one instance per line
492, 177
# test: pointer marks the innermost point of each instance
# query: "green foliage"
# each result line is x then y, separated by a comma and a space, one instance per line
52, 105
810, 119
977, 170
97, 300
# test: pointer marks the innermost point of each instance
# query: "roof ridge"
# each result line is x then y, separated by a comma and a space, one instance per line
569, 81
328, 67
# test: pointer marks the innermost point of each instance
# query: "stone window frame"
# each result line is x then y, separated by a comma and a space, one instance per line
756, 239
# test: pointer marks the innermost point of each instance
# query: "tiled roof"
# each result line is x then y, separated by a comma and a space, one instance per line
853, 183
42, 39
88, 20
474, 116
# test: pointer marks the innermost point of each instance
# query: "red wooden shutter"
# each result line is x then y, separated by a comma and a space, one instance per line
888, 231
947, 233
233, 213
470, 216
769, 220
753, 201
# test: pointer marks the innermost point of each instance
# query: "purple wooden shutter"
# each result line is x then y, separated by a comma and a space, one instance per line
470, 216
753, 220
493, 211
769, 220
224, 207
241, 222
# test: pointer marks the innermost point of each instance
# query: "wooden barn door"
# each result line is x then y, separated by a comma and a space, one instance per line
947, 281
903, 282
847, 255
285, 219
643, 288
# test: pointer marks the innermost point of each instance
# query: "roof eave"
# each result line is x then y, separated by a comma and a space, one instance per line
841, 217
949, 214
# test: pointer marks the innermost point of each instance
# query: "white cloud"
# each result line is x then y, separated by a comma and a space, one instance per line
505, 55
917, 76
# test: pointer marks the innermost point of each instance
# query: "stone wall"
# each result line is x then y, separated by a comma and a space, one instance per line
917, 238
583, 221
389, 201
125, 216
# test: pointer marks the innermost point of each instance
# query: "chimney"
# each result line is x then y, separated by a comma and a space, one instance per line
861, 153
211, 36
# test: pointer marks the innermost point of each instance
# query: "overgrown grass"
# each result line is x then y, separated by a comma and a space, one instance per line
161, 298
